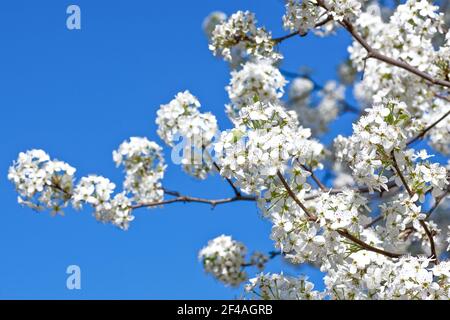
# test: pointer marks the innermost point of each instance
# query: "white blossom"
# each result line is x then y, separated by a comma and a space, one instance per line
240, 31
180, 118
42, 183
224, 258
280, 287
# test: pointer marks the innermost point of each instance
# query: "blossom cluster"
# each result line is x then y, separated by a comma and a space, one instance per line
265, 139
181, 119
407, 36
316, 117
239, 32
301, 16
375, 136
97, 191
256, 80
280, 287
42, 183
224, 258
144, 169
381, 278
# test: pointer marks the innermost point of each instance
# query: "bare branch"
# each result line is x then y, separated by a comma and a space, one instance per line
185, 199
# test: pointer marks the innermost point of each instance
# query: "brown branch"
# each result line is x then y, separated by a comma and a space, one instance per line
236, 191
294, 197
374, 221
342, 232
422, 223
400, 175
390, 184
271, 255
372, 53
290, 35
430, 238
431, 126
184, 199
437, 202
316, 180
367, 246
298, 33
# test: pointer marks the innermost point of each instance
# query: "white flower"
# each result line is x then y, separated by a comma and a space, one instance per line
42, 183
240, 31
144, 168
180, 118
224, 258
281, 287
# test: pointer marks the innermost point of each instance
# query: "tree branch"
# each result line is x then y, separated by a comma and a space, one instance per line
424, 131
344, 233
372, 53
316, 180
236, 191
367, 246
184, 199
271, 255
422, 223
294, 197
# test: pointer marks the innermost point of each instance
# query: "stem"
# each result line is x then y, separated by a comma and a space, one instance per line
181, 198
294, 197
235, 189
399, 174
271, 255
422, 223
372, 53
431, 126
316, 180
367, 246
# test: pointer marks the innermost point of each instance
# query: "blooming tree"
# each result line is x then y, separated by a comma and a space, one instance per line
376, 224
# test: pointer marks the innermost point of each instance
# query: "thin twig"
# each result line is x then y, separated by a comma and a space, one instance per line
342, 232
235, 189
400, 175
372, 53
316, 180
430, 237
294, 197
422, 223
431, 126
271, 255
367, 246
184, 199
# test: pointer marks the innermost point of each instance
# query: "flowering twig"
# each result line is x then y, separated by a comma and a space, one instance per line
235, 189
431, 126
367, 246
294, 197
297, 33
316, 180
372, 53
422, 222
344, 233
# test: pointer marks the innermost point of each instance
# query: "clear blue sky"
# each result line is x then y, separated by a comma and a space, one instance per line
78, 95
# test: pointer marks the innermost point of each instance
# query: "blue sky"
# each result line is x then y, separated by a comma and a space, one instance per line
78, 95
